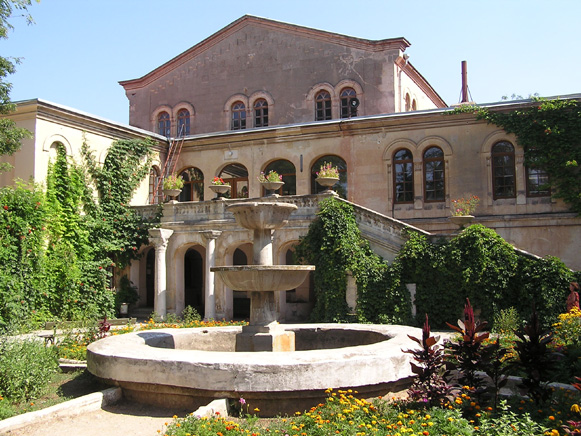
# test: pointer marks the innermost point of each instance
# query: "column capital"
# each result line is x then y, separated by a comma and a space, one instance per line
160, 237
211, 234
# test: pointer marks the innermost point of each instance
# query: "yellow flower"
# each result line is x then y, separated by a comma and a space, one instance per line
574, 408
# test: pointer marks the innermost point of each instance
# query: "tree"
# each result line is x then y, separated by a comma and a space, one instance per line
10, 134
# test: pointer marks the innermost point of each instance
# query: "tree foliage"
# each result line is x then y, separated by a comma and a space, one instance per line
10, 134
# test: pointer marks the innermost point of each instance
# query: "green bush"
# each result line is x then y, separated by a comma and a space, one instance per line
25, 368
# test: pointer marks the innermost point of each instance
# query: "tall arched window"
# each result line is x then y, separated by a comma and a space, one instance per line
403, 176
347, 110
407, 103
288, 172
503, 170
323, 106
183, 122
434, 174
193, 189
237, 176
260, 113
164, 124
341, 187
238, 116
155, 186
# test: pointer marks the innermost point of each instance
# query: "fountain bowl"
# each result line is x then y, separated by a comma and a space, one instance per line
264, 215
188, 368
260, 278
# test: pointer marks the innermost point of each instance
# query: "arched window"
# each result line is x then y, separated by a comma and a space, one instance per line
183, 122
403, 176
503, 170
155, 186
289, 176
347, 110
414, 105
237, 176
193, 189
323, 106
434, 174
164, 124
407, 103
341, 187
238, 116
260, 113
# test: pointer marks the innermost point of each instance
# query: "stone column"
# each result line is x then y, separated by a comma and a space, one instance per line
160, 238
210, 303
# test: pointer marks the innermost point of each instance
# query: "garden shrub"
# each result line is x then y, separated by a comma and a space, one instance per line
335, 246
26, 367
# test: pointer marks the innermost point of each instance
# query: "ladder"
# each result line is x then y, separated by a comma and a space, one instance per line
171, 160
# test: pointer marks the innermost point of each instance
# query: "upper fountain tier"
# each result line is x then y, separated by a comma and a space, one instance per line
262, 215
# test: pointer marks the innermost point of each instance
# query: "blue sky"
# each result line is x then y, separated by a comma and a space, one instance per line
79, 50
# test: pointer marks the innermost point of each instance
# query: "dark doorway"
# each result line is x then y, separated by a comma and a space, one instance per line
150, 278
241, 303
194, 280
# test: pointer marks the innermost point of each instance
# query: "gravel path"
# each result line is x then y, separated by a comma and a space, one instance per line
123, 418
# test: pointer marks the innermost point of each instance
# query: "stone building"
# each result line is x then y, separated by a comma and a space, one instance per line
261, 95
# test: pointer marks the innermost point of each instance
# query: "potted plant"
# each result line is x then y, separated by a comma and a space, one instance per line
172, 186
327, 175
271, 181
219, 187
462, 210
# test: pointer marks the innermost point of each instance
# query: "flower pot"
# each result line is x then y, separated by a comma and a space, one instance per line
219, 190
124, 309
327, 182
272, 186
172, 193
462, 220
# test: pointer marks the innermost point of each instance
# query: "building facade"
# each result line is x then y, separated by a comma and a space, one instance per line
260, 95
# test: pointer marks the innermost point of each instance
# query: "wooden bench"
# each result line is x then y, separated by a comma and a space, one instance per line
49, 336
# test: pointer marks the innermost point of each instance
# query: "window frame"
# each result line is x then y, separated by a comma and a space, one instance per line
408, 163
260, 108
442, 170
164, 130
238, 115
501, 191
323, 106
183, 118
345, 97
540, 172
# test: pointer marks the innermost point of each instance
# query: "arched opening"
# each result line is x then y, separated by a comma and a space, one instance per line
336, 161
241, 303
237, 176
150, 278
193, 189
288, 172
194, 280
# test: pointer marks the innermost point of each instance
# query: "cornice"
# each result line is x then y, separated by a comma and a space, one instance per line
399, 43
420, 81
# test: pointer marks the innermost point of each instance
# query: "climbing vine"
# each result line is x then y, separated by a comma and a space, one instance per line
550, 133
335, 246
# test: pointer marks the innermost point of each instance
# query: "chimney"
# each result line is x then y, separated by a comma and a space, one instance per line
464, 98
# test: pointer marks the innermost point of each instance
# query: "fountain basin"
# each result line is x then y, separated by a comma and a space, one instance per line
191, 367
262, 278
262, 215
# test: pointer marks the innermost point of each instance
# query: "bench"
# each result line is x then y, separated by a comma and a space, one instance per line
49, 336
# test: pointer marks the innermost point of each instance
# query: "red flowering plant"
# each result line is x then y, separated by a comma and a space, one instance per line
465, 206
272, 176
219, 181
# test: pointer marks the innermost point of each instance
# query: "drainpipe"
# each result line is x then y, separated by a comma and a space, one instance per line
464, 83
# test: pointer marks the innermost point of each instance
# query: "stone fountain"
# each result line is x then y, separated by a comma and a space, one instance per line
188, 368
263, 279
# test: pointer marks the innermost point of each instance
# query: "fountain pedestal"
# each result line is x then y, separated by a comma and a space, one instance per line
263, 278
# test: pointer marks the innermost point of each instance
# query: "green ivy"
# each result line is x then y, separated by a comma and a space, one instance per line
479, 265
335, 246
550, 133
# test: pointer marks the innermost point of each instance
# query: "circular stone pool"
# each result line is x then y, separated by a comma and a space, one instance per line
188, 368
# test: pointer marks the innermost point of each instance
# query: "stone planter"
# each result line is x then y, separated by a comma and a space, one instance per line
271, 186
462, 220
327, 182
172, 193
219, 190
